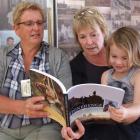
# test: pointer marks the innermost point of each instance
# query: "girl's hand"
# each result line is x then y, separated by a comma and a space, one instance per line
118, 114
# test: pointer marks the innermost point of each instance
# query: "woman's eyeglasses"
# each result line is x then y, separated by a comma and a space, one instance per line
31, 23
83, 13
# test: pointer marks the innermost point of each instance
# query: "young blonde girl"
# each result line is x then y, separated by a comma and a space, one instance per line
123, 54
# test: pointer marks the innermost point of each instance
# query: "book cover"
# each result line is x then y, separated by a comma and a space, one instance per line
90, 102
52, 89
86, 102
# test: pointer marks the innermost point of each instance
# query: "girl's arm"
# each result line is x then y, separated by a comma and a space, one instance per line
129, 112
136, 83
104, 78
123, 114
134, 109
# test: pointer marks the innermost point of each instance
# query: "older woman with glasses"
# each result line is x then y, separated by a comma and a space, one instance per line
23, 117
91, 33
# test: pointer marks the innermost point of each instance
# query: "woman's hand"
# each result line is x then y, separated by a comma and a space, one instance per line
33, 107
68, 134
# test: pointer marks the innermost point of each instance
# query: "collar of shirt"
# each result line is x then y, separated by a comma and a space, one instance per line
16, 51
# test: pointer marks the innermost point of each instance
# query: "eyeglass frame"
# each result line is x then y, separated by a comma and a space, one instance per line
31, 23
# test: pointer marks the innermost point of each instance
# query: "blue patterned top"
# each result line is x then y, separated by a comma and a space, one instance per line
12, 85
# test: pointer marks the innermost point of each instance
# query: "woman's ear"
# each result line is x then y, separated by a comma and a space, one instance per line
15, 28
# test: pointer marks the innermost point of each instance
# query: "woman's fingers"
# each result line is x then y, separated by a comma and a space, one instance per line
34, 107
69, 134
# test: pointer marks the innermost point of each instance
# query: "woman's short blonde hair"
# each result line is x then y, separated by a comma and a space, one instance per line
89, 17
128, 39
23, 6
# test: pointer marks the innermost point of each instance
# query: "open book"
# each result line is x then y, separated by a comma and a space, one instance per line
86, 102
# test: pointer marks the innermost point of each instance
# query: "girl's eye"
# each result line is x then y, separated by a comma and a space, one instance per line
124, 58
93, 35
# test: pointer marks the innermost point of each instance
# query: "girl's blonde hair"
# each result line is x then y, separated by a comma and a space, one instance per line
89, 17
23, 6
128, 39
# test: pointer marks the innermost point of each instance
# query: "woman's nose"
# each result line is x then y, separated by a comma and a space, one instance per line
89, 40
35, 26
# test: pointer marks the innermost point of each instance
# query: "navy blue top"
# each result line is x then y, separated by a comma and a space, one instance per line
85, 72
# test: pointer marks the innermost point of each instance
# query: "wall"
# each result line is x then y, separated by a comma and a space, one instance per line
6, 8
117, 12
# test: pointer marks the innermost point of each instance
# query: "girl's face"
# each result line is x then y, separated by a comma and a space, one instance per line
91, 40
119, 59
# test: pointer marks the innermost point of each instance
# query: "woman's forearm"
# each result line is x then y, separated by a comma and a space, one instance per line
10, 106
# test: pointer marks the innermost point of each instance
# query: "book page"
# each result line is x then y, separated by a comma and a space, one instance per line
90, 101
43, 84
